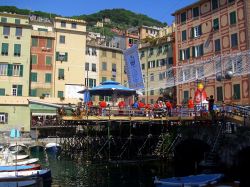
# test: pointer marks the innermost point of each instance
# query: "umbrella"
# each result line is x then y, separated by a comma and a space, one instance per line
86, 96
110, 88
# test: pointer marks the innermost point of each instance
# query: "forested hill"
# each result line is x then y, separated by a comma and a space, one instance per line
120, 18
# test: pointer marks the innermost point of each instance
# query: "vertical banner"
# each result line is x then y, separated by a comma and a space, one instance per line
133, 68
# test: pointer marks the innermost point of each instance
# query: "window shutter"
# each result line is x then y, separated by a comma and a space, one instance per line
200, 30
21, 70
57, 56
10, 70
66, 57
193, 51
6, 117
188, 53
19, 90
180, 55
201, 50
192, 32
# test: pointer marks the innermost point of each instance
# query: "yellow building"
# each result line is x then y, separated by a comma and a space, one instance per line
15, 34
70, 37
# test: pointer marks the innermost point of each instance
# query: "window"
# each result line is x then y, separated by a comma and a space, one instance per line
93, 67
17, 90
236, 91
17, 49
185, 96
151, 52
170, 61
217, 45
62, 39
142, 54
6, 30
234, 40
199, 72
34, 42
17, 21
90, 82
151, 92
216, 25
184, 35
61, 56
233, 18
184, 54
196, 31
104, 79
42, 29
86, 66
3, 20
48, 78
48, 60
73, 25
219, 93
231, 1
185, 74
151, 77
5, 49
113, 67
17, 70
2, 91
159, 50
49, 43
197, 50
19, 31
60, 94
104, 66
60, 74
196, 12
183, 17
3, 69
33, 77
93, 51
215, 4
33, 92
237, 66
3, 118
33, 59
113, 54
63, 24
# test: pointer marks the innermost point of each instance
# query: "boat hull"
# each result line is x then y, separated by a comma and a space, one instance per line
20, 168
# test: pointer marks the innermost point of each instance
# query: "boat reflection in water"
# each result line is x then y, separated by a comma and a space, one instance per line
53, 148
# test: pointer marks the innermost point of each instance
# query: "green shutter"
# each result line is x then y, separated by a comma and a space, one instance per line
48, 60
188, 53
19, 90
236, 91
57, 56
49, 43
33, 59
33, 77
201, 50
48, 77
10, 70
33, 92
193, 51
17, 49
192, 32
60, 94
180, 55
2, 91
233, 18
21, 70
5, 48
66, 57
34, 42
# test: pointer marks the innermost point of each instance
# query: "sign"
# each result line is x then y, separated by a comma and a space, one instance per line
133, 68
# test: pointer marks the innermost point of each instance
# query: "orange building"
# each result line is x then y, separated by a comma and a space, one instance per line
209, 30
42, 57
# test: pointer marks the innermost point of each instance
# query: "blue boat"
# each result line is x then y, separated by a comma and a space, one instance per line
53, 148
192, 180
20, 168
18, 183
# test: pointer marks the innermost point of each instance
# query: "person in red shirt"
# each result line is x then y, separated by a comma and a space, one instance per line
141, 105
169, 107
190, 106
121, 104
103, 105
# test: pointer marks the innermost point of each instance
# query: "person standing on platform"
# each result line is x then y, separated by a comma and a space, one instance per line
169, 108
191, 106
103, 106
211, 107
121, 106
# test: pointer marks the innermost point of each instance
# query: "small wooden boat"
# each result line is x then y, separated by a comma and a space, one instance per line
18, 148
192, 180
44, 173
20, 168
53, 148
19, 157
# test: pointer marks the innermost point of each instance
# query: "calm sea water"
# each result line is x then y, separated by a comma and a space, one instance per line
67, 173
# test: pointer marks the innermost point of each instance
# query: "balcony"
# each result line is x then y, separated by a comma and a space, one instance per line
43, 34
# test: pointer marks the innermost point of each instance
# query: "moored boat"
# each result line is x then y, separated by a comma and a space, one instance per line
192, 180
21, 183
52, 147
20, 168
18, 163
18, 148
36, 148
45, 174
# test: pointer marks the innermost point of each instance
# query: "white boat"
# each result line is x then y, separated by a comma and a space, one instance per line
18, 148
44, 173
191, 180
18, 163
19, 157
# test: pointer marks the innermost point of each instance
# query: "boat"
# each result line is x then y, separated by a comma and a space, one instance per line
18, 148
52, 147
20, 183
191, 180
20, 168
36, 148
18, 163
19, 157
45, 174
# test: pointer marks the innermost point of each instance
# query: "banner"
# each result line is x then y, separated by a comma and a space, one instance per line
133, 68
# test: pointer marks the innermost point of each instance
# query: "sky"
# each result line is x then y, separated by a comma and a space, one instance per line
160, 10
